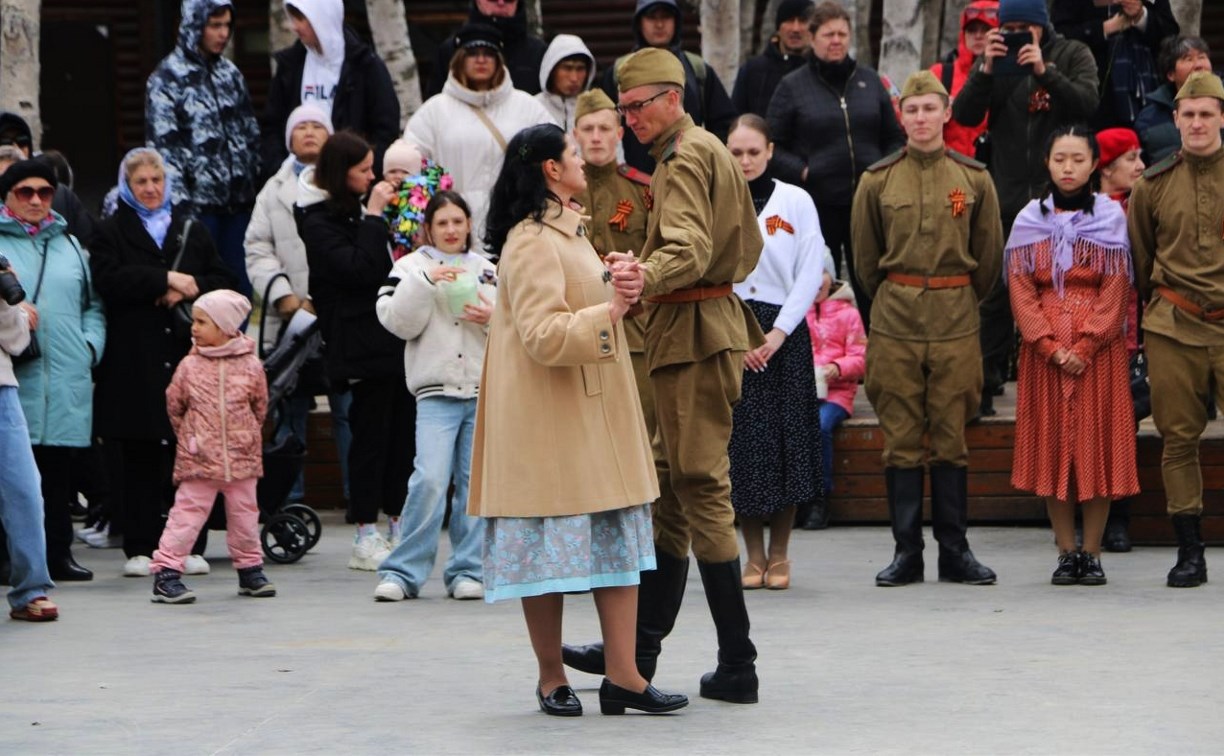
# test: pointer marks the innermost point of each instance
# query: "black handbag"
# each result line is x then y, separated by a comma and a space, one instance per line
1141, 389
312, 376
182, 310
33, 351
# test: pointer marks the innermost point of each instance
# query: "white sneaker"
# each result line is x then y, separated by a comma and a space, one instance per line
368, 552
466, 589
389, 590
137, 566
102, 539
195, 565
83, 532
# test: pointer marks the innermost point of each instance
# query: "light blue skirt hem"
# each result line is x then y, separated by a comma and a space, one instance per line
569, 585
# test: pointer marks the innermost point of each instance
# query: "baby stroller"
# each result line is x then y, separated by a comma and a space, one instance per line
290, 530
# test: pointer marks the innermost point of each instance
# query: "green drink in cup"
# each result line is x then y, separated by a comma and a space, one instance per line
461, 292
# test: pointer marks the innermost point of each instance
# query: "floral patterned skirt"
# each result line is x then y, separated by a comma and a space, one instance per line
532, 556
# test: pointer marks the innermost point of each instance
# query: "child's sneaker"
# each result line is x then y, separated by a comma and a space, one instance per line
253, 582
369, 551
168, 588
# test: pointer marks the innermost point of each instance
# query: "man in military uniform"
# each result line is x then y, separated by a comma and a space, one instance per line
618, 199
928, 246
1176, 224
701, 237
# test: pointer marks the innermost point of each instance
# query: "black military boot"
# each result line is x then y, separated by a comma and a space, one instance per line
949, 521
1191, 568
1117, 527
659, 597
735, 678
816, 515
905, 512
64, 568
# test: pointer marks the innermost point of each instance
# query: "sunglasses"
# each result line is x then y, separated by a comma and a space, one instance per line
26, 193
636, 107
985, 15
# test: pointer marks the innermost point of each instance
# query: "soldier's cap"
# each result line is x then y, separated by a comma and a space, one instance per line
591, 101
1201, 84
650, 65
921, 83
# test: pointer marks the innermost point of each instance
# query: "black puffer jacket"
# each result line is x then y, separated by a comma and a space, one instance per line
834, 134
759, 77
523, 52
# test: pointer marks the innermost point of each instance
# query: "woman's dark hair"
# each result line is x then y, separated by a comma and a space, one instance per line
441, 200
1087, 195
340, 153
520, 191
1174, 49
754, 122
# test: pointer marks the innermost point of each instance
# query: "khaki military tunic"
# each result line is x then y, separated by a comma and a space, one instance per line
617, 199
702, 232
927, 215
1176, 225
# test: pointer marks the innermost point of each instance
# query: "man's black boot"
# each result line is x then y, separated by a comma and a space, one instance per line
949, 522
659, 597
735, 678
1191, 568
905, 512
1117, 527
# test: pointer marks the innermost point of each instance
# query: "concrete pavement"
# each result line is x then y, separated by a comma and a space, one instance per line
845, 667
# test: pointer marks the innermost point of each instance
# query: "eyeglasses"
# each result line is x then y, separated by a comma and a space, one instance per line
985, 15
636, 107
26, 193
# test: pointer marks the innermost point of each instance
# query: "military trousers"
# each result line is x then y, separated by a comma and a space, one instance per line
693, 404
918, 387
1180, 377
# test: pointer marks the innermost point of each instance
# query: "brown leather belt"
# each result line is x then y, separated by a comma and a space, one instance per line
1181, 303
931, 282
695, 294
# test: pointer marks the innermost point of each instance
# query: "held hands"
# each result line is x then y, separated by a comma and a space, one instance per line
1070, 362
478, 314
758, 359
628, 277
380, 196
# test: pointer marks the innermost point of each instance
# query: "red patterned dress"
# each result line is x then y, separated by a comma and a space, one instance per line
1077, 428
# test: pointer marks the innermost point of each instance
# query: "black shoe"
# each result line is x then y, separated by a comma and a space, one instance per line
253, 582
817, 516
1191, 568
1068, 572
986, 409
168, 588
1117, 528
964, 568
731, 683
1090, 570
614, 699
561, 702
65, 569
588, 658
905, 569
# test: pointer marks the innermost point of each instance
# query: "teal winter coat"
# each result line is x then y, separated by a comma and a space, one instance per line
56, 390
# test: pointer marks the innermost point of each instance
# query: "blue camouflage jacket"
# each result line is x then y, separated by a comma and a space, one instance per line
198, 115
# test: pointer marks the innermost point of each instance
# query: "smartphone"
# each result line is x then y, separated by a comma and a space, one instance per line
1007, 65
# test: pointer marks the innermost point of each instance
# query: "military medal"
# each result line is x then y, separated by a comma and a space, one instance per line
957, 198
774, 222
620, 221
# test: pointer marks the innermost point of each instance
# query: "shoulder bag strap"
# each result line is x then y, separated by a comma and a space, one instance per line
42, 269
178, 259
501, 140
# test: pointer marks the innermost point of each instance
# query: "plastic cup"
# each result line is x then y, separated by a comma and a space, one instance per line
461, 292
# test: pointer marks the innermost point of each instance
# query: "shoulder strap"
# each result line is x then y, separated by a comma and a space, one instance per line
42, 269
947, 70
699, 68
178, 259
501, 139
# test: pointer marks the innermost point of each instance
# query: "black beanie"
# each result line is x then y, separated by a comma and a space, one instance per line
22, 170
793, 9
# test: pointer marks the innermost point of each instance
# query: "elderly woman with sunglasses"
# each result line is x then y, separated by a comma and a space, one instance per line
66, 322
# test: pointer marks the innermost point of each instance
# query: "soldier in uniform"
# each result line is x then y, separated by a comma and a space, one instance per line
1176, 224
702, 237
618, 199
928, 246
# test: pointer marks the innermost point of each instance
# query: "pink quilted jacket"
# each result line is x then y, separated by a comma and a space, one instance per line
838, 336
217, 402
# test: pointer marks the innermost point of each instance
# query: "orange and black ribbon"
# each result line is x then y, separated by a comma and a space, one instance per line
957, 198
649, 200
620, 221
774, 222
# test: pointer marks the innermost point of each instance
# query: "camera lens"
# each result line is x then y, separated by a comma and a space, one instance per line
10, 288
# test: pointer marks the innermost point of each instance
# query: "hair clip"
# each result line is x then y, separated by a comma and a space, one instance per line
524, 151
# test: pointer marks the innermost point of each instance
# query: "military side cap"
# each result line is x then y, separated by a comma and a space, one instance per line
1201, 84
922, 83
650, 65
591, 101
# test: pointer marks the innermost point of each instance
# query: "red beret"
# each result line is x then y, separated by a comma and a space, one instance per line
1115, 143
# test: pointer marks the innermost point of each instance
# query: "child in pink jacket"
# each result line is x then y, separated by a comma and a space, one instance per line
839, 344
217, 402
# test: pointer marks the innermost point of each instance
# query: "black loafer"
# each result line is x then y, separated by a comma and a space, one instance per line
614, 700
561, 702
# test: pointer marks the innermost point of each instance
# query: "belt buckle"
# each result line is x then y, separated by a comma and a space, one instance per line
926, 283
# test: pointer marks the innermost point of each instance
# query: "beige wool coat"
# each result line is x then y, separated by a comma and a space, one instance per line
559, 427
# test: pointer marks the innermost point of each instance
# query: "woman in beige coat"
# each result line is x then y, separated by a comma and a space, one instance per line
561, 466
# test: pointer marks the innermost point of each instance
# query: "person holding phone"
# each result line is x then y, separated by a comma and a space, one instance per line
1029, 89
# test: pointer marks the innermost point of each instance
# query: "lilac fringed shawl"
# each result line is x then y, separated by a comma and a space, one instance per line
1102, 234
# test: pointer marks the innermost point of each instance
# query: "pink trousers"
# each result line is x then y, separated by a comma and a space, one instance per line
192, 505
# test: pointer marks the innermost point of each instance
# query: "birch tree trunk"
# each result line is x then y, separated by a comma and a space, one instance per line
901, 41
19, 66
1189, 14
389, 27
950, 35
720, 37
280, 35
535, 18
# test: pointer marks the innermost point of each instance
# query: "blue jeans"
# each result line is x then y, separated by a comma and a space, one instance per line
444, 430
228, 232
295, 424
21, 505
831, 416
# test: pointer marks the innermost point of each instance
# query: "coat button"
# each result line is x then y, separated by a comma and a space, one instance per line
603, 335
605, 349
167, 331
167, 365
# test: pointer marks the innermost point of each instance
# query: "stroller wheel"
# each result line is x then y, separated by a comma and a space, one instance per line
285, 538
310, 518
